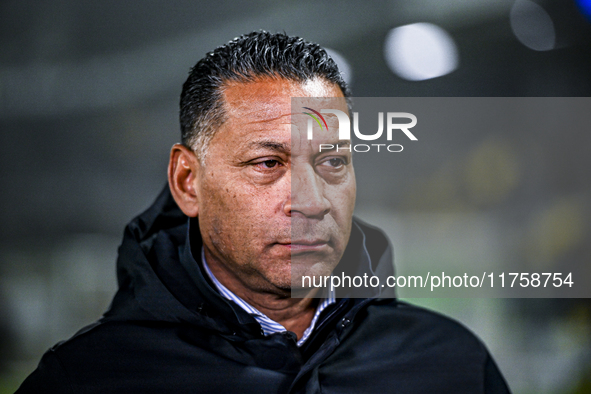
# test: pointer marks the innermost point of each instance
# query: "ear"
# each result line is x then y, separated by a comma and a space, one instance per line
183, 175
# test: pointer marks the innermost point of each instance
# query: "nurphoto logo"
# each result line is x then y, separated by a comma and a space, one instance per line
345, 129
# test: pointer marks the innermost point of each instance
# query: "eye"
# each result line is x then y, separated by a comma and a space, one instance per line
269, 163
266, 165
335, 162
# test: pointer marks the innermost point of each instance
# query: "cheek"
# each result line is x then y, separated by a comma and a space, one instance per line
343, 199
344, 204
239, 216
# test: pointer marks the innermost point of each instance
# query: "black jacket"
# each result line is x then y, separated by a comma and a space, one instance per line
169, 331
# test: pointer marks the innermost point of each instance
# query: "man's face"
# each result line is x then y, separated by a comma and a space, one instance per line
267, 195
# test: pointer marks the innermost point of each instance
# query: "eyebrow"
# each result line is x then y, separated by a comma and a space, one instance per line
273, 145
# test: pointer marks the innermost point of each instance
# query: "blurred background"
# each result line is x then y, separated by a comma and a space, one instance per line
88, 112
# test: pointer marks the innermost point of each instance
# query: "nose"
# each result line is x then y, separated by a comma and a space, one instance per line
307, 193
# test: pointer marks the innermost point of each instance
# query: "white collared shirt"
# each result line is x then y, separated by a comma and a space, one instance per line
268, 326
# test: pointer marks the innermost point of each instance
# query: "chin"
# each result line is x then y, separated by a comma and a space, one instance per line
277, 275
302, 267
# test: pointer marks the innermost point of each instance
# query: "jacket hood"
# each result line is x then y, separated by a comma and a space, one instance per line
160, 276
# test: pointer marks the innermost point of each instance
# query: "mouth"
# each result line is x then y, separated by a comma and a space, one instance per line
306, 246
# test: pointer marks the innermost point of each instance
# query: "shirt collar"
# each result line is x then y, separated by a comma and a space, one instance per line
268, 326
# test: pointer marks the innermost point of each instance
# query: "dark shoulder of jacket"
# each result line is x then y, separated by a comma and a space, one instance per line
442, 337
49, 377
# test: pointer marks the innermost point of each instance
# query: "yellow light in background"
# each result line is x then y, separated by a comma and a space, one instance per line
492, 172
554, 231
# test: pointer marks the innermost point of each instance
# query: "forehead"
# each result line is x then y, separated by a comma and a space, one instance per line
269, 99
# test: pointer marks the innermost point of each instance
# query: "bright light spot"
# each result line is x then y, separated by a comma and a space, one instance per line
532, 25
420, 51
343, 65
585, 7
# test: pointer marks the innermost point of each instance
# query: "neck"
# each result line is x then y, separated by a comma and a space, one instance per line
295, 314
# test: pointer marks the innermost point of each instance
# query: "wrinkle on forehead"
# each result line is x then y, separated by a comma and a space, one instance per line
268, 99
268, 119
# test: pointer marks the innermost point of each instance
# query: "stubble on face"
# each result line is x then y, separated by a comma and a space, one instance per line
246, 215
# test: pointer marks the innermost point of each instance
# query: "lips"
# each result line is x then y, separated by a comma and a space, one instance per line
307, 245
